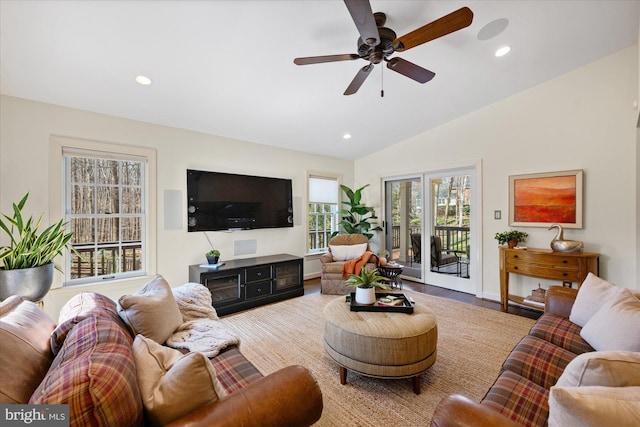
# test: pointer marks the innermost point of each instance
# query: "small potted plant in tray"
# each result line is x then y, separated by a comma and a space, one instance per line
213, 256
366, 283
511, 237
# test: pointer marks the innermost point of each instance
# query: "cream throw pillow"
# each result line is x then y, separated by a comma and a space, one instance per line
593, 294
152, 311
347, 252
594, 406
173, 384
616, 326
602, 368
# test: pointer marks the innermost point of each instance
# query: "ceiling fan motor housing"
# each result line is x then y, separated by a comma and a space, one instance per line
387, 36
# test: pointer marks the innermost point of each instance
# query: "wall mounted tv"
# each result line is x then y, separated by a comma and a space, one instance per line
224, 201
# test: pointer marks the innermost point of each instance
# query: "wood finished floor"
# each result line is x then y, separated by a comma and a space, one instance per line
313, 285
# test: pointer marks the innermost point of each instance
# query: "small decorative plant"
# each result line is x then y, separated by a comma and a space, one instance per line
28, 247
212, 256
511, 237
367, 279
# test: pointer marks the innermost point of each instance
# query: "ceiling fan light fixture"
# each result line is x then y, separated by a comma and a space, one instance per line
502, 51
143, 80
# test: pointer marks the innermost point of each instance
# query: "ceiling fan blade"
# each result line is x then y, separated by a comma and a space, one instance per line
454, 21
362, 16
358, 79
326, 58
411, 70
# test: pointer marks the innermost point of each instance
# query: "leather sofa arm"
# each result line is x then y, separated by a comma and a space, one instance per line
459, 411
290, 397
559, 300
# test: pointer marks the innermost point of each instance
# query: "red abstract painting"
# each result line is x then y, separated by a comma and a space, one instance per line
540, 200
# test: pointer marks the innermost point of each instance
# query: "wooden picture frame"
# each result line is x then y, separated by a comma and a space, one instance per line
543, 199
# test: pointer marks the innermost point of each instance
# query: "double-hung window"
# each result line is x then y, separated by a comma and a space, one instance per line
106, 205
323, 205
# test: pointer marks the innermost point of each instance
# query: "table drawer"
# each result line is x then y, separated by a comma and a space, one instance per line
257, 290
543, 259
255, 274
536, 270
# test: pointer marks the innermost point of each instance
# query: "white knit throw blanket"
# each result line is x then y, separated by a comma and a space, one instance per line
202, 330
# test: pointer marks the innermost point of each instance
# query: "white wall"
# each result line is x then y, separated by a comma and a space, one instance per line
581, 120
25, 131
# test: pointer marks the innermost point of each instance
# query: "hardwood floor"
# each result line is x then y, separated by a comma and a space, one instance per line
313, 285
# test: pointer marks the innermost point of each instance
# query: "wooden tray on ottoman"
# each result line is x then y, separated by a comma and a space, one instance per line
404, 307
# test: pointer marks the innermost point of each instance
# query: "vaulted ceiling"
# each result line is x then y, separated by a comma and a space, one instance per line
226, 67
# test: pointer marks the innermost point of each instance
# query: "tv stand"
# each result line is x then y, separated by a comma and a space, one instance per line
250, 282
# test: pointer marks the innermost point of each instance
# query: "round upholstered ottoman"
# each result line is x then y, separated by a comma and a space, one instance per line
380, 344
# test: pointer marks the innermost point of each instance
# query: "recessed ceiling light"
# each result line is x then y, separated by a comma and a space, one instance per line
503, 51
347, 136
143, 80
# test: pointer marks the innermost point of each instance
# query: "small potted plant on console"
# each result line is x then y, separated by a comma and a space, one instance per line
511, 238
366, 283
213, 256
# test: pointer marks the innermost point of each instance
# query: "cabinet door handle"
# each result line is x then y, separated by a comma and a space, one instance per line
515, 256
564, 261
515, 267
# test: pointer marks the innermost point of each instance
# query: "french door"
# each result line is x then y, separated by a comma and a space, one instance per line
431, 228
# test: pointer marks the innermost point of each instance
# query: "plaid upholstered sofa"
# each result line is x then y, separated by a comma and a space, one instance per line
87, 361
554, 376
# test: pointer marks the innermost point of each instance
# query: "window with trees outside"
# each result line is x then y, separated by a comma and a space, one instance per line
323, 205
105, 206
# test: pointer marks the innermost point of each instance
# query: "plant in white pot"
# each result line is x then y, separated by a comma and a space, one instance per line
366, 283
27, 260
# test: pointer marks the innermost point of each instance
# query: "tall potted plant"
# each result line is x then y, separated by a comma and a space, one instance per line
357, 219
27, 260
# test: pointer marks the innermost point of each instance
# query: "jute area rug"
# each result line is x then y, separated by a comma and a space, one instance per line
472, 344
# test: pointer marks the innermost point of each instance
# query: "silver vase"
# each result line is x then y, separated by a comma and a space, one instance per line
29, 283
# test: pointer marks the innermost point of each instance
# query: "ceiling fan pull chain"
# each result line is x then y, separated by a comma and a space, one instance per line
382, 82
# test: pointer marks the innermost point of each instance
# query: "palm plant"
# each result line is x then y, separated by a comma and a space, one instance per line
27, 246
357, 218
367, 279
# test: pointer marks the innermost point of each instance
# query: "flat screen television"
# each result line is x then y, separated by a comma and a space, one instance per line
224, 201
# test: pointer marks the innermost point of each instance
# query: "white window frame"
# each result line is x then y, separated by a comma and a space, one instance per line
60, 147
334, 219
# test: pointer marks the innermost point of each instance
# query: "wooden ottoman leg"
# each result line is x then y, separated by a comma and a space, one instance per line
416, 384
343, 375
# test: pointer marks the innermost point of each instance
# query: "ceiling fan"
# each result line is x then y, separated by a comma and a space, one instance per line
377, 43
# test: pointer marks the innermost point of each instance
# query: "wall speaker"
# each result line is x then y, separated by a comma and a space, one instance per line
297, 210
172, 209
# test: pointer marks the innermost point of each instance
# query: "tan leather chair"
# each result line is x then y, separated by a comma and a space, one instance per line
332, 280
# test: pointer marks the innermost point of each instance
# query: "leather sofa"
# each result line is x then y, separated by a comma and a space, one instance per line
533, 376
87, 362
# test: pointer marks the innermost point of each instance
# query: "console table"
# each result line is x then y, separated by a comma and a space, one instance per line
245, 283
544, 264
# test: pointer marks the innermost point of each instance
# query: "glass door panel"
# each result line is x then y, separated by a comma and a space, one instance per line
403, 224
450, 231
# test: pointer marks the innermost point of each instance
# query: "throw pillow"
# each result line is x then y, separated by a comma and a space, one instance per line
347, 252
594, 406
616, 326
593, 294
80, 307
173, 384
152, 311
602, 368
95, 374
